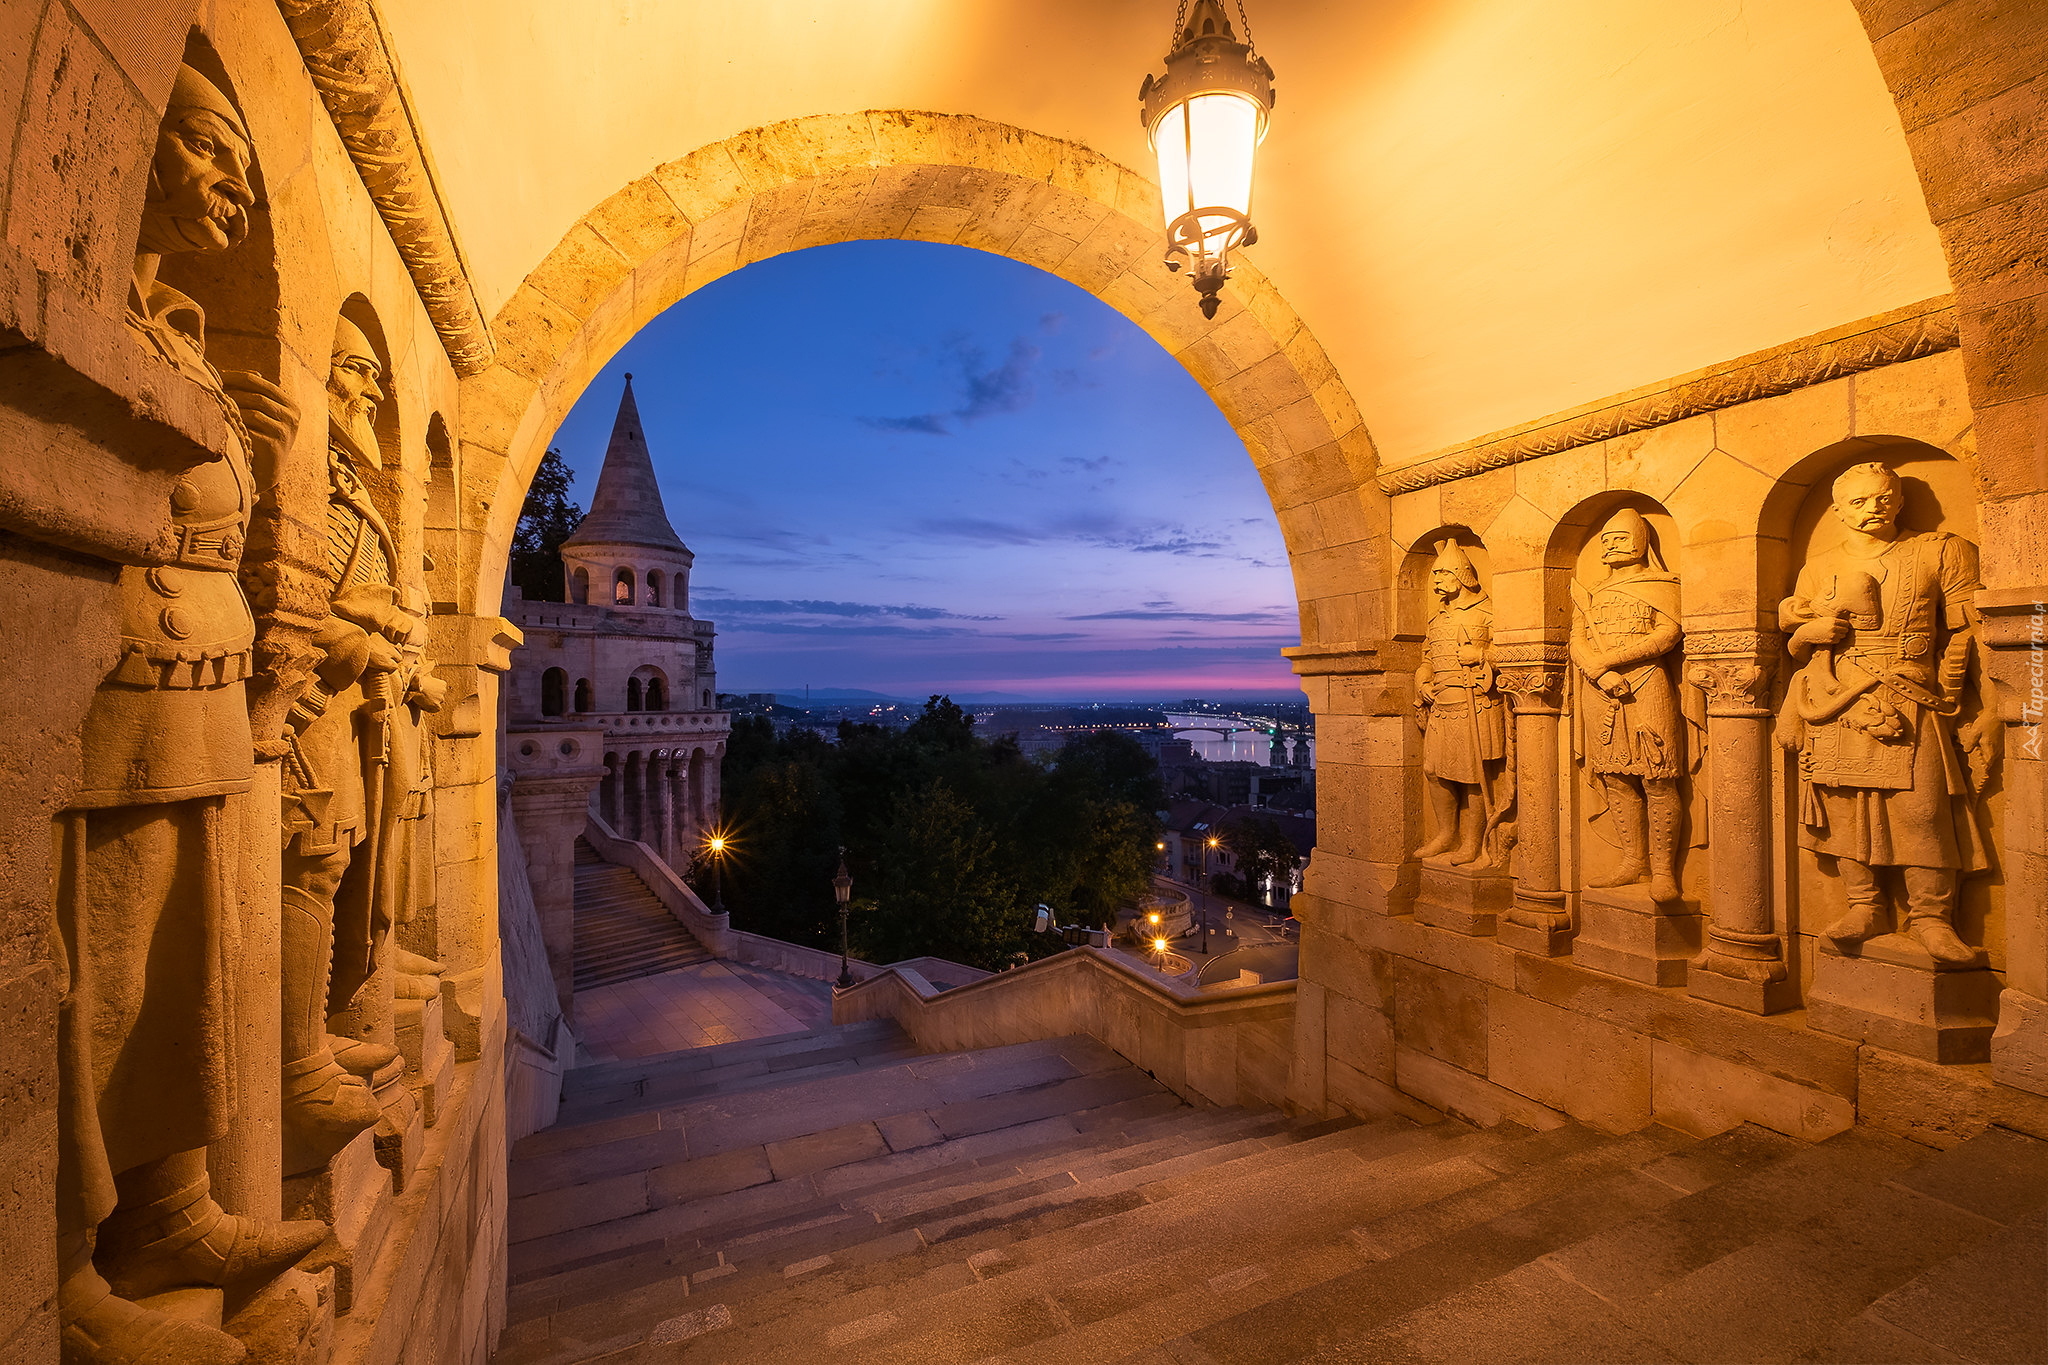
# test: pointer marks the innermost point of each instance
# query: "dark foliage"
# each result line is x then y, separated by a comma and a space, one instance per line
951, 839
545, 521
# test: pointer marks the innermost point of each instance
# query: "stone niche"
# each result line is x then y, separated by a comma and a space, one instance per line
256, 812
1744, 867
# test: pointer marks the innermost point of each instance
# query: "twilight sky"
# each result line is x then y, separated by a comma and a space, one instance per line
911, 468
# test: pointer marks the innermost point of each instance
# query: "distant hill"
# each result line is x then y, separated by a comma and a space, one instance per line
851, 694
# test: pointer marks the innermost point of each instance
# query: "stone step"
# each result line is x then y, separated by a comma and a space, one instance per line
738, 1275
795, 1236
993, 1298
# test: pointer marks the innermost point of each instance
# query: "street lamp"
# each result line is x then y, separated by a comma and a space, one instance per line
842, 891
1205, 119
715, 844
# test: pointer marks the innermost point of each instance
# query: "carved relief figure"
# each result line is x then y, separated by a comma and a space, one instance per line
1464, 740
146, 891
1625, 637
1886, 631
353, 777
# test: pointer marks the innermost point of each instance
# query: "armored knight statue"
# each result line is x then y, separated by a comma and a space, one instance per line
1625, 636
1889, 769
1464, 739
351, 775
145, 895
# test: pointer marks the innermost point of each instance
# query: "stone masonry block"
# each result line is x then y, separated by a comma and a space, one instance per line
1703, 1095
1593, 1071
1924, 400
1441, 1013
1348, 968
1985, 154
1358, 1035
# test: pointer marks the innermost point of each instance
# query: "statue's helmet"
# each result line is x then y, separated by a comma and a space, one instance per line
353, 392
1451, 556
1642, 541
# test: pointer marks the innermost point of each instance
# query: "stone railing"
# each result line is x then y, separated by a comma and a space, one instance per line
1214, 1045
721, 940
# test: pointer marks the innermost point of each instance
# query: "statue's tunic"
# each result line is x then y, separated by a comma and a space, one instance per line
335, 799
1636, 735
144, 881
1456, 740
1884, 783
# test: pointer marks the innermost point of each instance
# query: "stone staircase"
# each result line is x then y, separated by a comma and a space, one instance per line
833, 1196
622, 931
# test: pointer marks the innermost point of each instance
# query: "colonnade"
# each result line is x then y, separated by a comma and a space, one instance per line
665, 798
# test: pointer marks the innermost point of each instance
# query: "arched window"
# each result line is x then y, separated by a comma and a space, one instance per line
654, 587
554, 685
582, 694
707, 699
657, 699
632, 694
579, 590
622, 588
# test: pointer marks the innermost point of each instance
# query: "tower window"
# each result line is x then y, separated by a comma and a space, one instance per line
654, 587
622, 588
579, 586
632, 694
554, 685
583, 697
656, 699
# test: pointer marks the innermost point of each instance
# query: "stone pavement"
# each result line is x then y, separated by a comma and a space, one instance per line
696, 1006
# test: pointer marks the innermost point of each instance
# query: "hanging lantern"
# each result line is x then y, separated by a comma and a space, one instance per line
1205, 119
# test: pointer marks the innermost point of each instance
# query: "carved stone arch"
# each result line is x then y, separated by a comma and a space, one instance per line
950, 179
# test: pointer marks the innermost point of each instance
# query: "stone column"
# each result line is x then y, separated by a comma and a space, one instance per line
1743, 963
2014, 629
608, 792
1540, 920
631, 819
552, 778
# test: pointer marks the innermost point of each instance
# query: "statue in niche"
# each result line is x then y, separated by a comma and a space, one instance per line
1885, 630
1624, 646
146, 880
353, 790
1464, 738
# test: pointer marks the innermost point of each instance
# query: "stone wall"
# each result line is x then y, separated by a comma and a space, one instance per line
1538, 975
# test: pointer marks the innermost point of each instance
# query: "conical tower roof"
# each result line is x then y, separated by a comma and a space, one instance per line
626, 509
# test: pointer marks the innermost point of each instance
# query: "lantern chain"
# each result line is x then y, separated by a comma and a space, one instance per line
1244, 22
1180, 22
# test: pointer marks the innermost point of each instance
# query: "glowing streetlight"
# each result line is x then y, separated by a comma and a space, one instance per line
715, 845
1205, 119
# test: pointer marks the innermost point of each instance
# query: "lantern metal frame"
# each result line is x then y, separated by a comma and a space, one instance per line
1207, 59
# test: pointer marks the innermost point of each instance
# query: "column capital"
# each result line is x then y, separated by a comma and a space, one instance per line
1734, 669
1533, 673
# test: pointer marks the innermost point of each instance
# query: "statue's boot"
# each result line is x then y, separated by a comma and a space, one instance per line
323, 1107
1628, 831
101, 1328
184, 1238
360, 1056
1664, 818
414, 977
1930, 894
1865, 917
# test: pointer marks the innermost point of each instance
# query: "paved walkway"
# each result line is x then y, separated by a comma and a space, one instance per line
696, 1006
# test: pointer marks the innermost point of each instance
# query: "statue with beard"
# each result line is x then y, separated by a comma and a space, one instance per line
353, 776
1464, 723
145, 880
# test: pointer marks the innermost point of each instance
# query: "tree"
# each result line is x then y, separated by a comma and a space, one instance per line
941, 890
1262, 851
545, 520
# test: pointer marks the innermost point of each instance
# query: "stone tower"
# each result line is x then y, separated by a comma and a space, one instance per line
624, 657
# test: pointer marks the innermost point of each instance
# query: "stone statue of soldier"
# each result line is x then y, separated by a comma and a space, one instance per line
348, 758
1464, 719
146, 882
1625, 638
1885, 628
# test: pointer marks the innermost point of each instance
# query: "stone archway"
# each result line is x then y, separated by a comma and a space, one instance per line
939, 178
